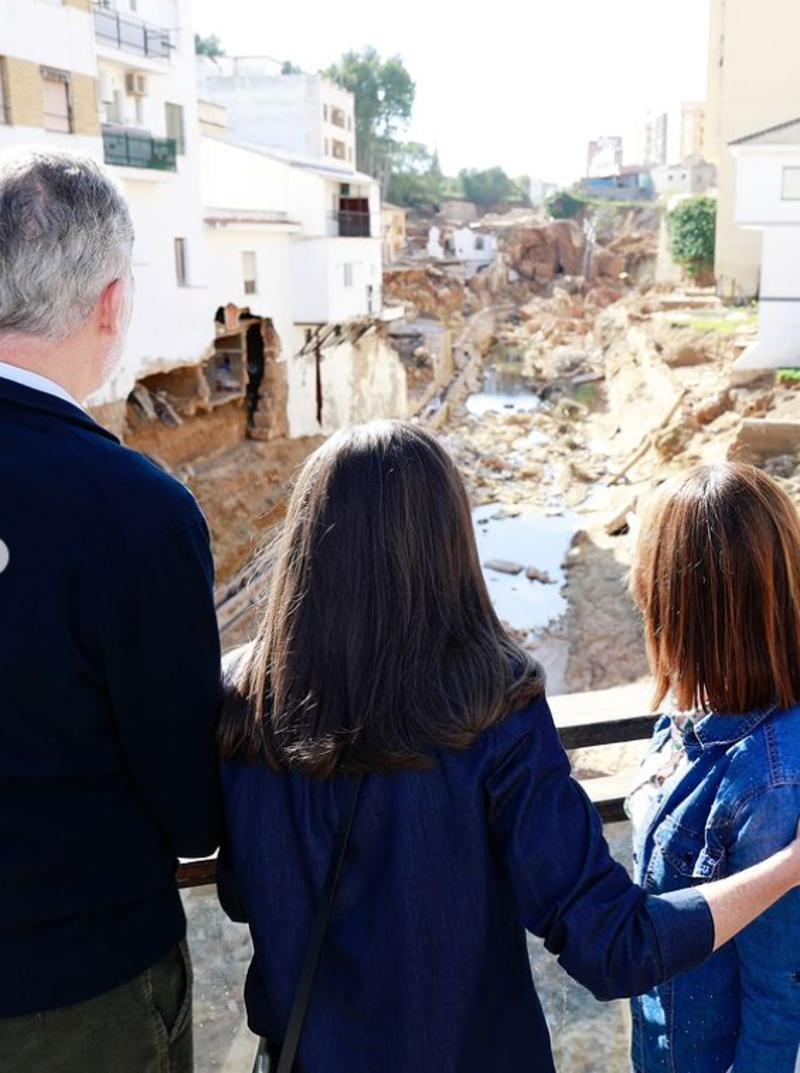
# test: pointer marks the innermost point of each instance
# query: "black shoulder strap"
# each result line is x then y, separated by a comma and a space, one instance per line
306, 986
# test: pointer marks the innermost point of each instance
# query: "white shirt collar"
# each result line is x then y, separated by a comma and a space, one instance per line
36, 381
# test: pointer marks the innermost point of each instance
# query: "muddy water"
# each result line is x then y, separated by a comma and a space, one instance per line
505, 389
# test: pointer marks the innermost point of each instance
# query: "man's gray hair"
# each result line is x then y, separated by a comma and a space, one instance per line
65, 234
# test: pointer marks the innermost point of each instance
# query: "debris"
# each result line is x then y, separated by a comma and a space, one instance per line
502, 566
762, 438
534, 574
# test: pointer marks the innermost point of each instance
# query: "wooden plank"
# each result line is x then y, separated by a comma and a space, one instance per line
608, 793
197, 873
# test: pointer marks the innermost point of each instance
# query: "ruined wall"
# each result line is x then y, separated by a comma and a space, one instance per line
359, 382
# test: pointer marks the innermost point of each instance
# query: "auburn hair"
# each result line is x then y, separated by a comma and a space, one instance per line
716, 575
379, 642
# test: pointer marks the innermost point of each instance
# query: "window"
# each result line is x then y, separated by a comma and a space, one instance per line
325, 112
175, 128
791, 184
181, 264
327, 147
55, 86
249, 271
348, 275
3, 108
349, 122
350, 153
337, 117
338, 149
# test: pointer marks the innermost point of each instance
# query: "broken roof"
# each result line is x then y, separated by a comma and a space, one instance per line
783, 134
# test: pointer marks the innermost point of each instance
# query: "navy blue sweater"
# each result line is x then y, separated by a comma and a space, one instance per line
109, 692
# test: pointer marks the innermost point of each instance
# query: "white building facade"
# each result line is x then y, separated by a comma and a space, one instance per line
768, 200
303, 114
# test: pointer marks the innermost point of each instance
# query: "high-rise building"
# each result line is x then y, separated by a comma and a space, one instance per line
604, 157
753, 84
693, 123
654, 147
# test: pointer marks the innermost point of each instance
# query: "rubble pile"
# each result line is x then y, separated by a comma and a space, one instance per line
425, 290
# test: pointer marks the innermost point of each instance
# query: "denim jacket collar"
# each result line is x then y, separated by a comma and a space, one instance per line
721, 729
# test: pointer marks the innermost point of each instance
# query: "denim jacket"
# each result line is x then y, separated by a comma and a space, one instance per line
734, 803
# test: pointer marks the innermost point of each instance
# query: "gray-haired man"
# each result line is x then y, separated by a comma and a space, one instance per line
109, 658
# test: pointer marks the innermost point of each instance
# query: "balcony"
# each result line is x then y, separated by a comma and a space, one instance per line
352, 225
132, 149
131, 34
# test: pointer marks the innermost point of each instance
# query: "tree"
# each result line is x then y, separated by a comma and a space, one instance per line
384, 93
417, 177
289, 68
208, 46
692, 228
486, 188
564, 205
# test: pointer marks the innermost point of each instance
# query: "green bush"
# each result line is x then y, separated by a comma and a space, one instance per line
692, 229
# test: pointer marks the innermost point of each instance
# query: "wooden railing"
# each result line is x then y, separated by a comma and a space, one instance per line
582, 723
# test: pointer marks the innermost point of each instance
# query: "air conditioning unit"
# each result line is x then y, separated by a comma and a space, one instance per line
136, 84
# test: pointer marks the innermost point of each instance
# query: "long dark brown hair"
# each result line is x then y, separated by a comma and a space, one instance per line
379, 641
717, 577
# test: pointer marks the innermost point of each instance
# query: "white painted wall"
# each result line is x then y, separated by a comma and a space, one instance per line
759, 176
760, 205
171, 325
359, 383
467, 243
46, 33
322, 294
278, 111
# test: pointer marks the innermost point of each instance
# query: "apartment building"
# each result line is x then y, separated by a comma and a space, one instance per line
48, 75
303, 114
654, 140
693, 125
753, 84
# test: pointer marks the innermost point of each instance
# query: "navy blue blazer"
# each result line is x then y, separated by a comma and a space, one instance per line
425, 966
109, 692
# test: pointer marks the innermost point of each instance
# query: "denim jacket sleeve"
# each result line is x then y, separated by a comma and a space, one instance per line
768, 950
608, 933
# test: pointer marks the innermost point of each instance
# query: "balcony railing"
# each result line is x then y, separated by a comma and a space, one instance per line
133, 150
131, 34
352, 224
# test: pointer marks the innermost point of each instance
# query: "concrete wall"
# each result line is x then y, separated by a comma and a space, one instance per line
759, 197
321, 291
359, 383
754, 83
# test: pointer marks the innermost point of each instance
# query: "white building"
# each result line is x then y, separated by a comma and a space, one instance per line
694, 176
654, 139
148, 110
768, 200
304, 114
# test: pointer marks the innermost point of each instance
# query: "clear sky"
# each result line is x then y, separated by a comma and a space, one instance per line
520, 84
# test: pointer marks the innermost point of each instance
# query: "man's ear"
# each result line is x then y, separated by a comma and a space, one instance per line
110, 306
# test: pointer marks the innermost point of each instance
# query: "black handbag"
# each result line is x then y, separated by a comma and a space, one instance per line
267, 1061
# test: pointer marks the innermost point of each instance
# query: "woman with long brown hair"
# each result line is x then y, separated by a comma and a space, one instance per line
399, 807
717, 577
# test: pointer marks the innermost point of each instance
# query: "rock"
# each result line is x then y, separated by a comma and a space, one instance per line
608, 265
762, 438
672, 441
502, 566
534, 574
782, 466
686, 354
710, 409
